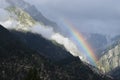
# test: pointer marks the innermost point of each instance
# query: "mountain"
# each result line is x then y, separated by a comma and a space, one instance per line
110, 61
24, 23
25, 15
25, 54
49, 49
20, 19
33, 12
115, 73
116, 38
97, 41
19, 62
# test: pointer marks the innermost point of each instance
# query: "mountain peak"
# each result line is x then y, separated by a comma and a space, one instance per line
33, 12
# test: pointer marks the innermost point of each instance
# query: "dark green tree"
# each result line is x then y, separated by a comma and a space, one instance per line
32, 74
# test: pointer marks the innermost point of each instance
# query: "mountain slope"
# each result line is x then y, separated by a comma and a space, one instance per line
18, 19
33, 12
24, 63
98, 42
115, 73
28, 15
54, 52
110, 61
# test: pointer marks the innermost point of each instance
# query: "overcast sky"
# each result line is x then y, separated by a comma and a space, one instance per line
101, 16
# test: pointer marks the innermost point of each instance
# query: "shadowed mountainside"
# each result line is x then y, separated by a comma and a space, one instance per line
19, 62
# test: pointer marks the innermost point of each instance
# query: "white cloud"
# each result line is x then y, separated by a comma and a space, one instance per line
68, 44
49, 33
45, 31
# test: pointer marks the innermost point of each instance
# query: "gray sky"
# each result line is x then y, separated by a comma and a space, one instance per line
101, 16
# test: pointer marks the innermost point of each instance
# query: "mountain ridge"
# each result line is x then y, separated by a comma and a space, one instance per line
25, 63
109, 62
33, 12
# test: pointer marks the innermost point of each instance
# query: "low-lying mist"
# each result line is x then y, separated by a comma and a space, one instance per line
49, 33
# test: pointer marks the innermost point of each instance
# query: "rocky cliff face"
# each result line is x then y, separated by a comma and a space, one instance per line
20, 18
109, 63
32, 11
111, 58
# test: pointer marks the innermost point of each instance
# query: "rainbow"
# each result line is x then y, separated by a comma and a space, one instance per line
81, 41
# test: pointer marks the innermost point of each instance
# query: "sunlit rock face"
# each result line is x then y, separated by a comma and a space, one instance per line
21, 19
111, 58
32, 11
